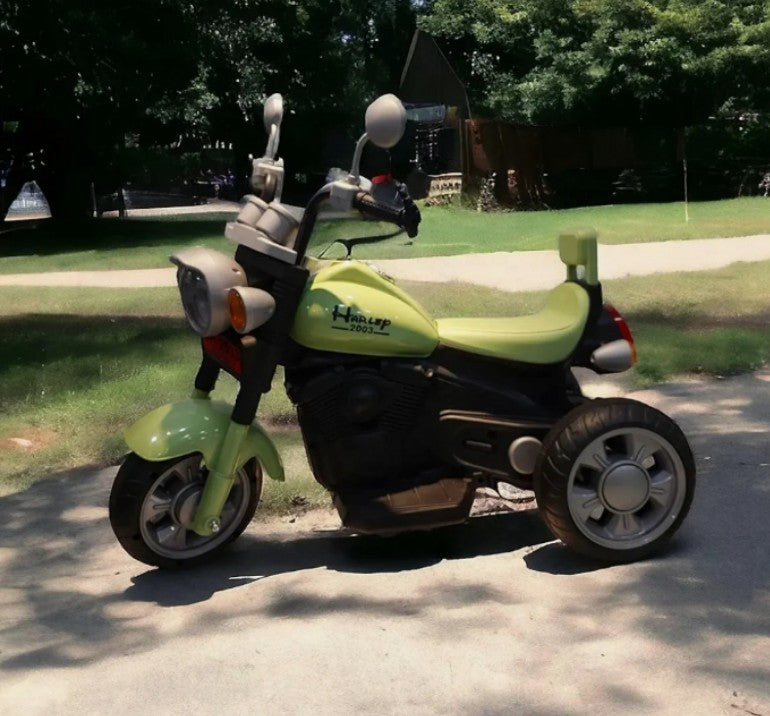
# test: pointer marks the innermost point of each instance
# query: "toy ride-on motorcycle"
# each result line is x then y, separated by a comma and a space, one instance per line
403, 417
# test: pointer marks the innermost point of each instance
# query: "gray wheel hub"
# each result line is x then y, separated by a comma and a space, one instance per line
169, 508
185, 504
624, 487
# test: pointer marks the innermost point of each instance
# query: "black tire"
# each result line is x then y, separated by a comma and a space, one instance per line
140, 481
592, 473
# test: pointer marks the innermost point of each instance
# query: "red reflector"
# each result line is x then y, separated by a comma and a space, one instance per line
625, 331
224, 352
382, 179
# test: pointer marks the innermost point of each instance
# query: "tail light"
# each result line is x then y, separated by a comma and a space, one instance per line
625, 331
611, 344
617, 351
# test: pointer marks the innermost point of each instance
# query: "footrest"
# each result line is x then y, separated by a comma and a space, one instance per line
444, 502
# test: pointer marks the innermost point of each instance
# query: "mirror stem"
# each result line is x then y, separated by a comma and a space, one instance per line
356, 166
272, 142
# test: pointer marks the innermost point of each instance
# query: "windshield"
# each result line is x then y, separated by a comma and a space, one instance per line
340, 234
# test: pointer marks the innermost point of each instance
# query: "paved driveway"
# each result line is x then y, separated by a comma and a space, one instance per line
488, 618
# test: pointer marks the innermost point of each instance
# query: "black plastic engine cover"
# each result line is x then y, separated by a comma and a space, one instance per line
390, 424
361, 428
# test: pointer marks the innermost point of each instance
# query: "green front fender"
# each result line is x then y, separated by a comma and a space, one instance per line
198, 425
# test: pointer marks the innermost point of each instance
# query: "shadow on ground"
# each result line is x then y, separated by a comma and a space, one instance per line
70, 596
258, 557
84, 350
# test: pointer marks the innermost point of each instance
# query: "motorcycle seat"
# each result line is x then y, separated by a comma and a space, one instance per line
548, 336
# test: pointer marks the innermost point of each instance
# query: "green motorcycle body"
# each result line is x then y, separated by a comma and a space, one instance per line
198, 425
352, 309
403, 417
348, 307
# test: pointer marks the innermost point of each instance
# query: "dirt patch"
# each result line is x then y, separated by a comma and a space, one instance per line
281, 422
29, 439
490, 502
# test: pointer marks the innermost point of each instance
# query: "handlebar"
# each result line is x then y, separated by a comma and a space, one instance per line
407, 217
367, 204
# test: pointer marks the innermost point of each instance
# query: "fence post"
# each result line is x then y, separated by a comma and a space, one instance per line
94, 205
683, 148
686, 208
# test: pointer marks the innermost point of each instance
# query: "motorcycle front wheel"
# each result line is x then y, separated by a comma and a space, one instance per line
615, 479
152, 505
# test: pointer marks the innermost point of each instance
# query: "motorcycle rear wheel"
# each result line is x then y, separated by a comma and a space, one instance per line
152, 504
615, 479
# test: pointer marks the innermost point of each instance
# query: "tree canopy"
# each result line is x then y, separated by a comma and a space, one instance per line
672, 62
82, 74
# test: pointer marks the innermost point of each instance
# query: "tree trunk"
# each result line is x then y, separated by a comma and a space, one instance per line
62, 163
68, 194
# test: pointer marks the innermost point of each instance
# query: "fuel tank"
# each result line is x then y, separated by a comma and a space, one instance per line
349, 307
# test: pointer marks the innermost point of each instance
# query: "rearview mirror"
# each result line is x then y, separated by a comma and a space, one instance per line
273, 111
273, 115
385, 121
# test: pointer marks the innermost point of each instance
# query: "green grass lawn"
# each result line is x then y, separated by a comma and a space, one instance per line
146, 243
104, 244
77, 365
449, 231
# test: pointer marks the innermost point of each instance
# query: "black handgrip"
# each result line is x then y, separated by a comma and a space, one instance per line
366, 204
411, 214
408, 217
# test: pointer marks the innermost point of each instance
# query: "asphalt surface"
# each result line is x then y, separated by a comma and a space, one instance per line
492, 617
507, 271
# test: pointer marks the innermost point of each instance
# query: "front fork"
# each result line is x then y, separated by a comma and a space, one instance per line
257, 368
220, 479
254, 368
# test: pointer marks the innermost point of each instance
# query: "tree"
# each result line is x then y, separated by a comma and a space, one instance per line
79, 75
671, 62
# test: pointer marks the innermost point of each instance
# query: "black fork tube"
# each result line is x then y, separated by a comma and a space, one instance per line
208, 373
308, 223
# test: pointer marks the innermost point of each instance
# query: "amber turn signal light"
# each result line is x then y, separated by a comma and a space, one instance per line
237, 311
250, 308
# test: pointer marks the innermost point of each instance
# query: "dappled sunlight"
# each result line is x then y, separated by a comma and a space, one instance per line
71, 598
6, 556
733, 403
84, 599
83, 514
710, 589
695, 409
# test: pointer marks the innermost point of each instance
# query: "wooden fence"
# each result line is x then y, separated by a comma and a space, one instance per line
533, 164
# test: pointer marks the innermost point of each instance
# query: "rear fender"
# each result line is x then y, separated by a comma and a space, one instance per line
198, 425
608, 346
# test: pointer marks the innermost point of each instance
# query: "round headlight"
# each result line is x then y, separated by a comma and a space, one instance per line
204, 277
195, 299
